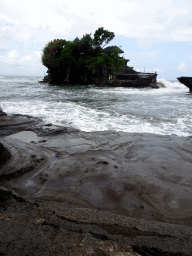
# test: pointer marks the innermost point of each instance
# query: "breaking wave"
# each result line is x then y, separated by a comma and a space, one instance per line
162, 111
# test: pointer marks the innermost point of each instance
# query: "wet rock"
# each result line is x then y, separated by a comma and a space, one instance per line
87, 193
103, 162
2, 113
4, 154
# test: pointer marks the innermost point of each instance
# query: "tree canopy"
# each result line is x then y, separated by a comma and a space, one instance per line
82, 54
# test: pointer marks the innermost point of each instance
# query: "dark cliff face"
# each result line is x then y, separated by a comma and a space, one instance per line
68, 76
187, 81
84, 77
74, 76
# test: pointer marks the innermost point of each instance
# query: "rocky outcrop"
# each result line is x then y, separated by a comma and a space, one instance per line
2, 113
4, 154
68, 192
187, 81
46, 79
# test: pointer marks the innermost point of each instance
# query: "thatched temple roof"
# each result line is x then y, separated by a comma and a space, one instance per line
109, 48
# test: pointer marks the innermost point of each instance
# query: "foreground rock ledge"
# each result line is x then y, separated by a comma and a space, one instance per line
66, 192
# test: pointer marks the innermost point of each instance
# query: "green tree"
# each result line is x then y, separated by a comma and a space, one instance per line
102, 37
83, 55
52, 53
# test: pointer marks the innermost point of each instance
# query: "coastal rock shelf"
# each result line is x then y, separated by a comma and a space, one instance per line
101, 190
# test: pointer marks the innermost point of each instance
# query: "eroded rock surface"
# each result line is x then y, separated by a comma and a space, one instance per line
128, 192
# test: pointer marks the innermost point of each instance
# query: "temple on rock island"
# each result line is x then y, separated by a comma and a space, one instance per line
86, 61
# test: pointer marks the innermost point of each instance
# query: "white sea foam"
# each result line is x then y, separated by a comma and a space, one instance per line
161, 111
89, 120
174, 85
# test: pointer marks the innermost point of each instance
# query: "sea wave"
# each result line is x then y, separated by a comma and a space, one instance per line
20, 79
70, 114
162, 111
171, 84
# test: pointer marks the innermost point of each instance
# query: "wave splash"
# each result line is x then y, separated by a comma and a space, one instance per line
163, 111
171, 84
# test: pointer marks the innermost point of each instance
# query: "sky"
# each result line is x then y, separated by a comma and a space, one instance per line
155, 35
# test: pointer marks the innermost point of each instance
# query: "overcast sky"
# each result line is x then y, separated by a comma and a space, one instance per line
156, 35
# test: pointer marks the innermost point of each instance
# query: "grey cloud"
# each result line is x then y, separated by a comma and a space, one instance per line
5, 40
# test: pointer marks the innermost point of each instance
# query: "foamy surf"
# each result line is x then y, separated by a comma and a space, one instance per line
173, 85
162, 111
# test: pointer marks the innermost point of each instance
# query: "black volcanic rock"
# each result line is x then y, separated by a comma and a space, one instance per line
4, 154
2, 113
97, 193
187, 81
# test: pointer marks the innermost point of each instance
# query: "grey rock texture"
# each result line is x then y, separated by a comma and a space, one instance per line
68, 192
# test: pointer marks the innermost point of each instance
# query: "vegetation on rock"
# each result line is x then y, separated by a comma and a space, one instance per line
81, 59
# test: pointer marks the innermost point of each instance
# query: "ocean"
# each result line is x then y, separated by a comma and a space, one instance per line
163, 111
